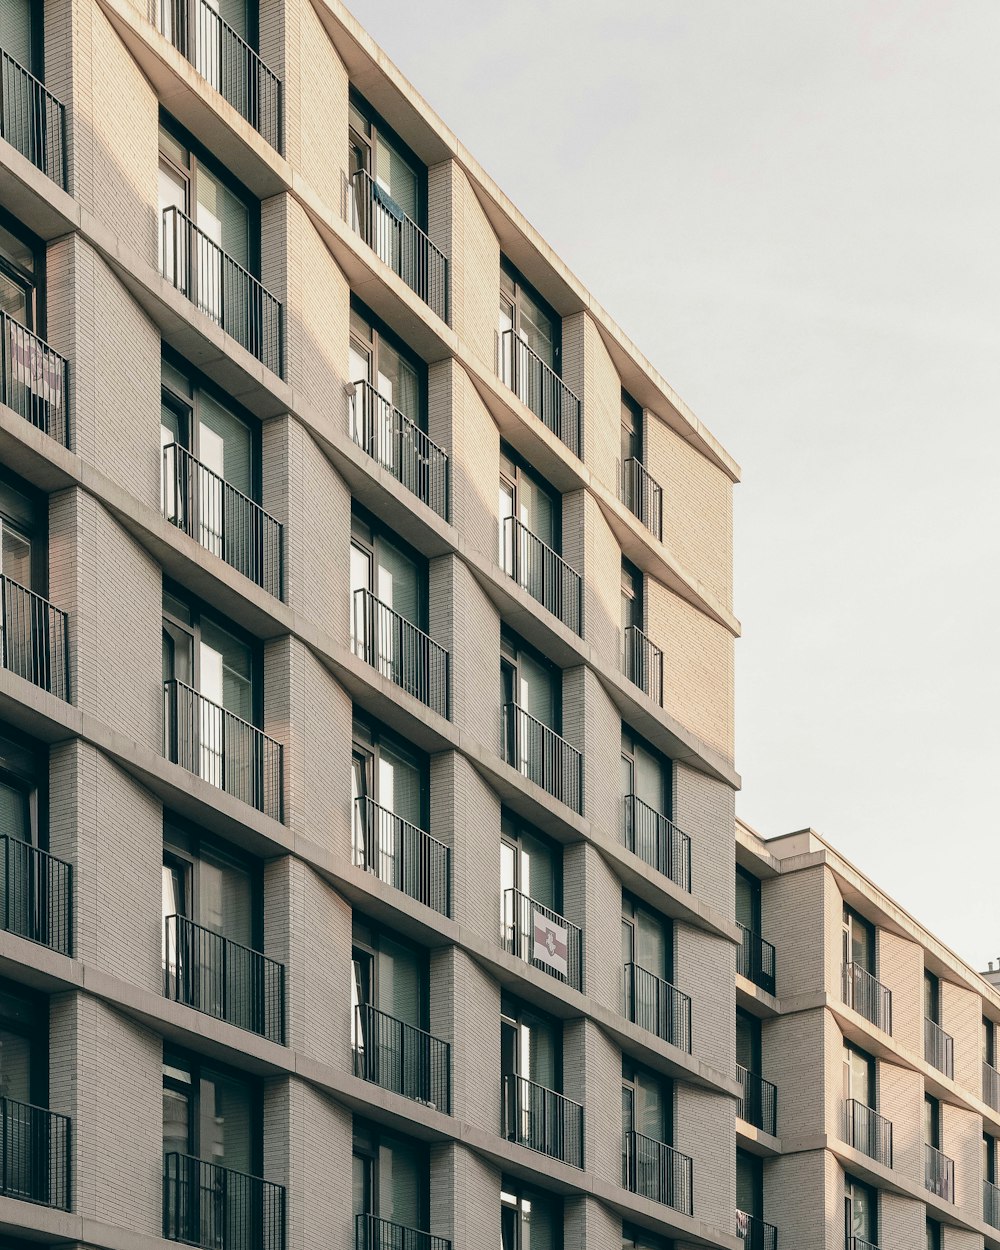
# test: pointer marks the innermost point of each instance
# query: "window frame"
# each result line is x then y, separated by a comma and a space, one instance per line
35, 1029
367, 738
367, 533
378, 128
521, 284
632, 906
366, 936
634, 427
512, 647
630, 739
196, 1066
184, 844
514, 469
380, 332
24, 767
32, 283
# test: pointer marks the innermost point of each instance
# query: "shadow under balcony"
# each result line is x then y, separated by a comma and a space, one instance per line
35, 1158
224, 979
939, 1173
223, 749
399, 651
32, 120
540, 389
541, 937
642, 663
755, 959
219, 1208
401, 1058
402, 855
755, 1234
657, 1006
542, 572
373, 1233
656, 840
758, 1101
399, 446
221, 288
225, 60
33, 638
656, 1171
867, 1131
36, 895
33, 379
541, 755
939, 1047
868, 996
222, 519
542, 1120
641, 494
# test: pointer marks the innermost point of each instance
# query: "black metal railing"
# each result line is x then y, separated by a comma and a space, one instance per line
397, 649
642, 663
36, 895
400, 446
220, 287
222, 748
540, 388
860, 1243
758, 1101
373, 1233
402, 855
657, 1171
755, 959
991, 1086
401, 1058
541, 937
226, 60
33, 638
755, 1233
224, 979
541, 755
991, 1204
868, 996
542, 1120
939, 1173
641, 494
221, 518
656, 840
396, 239
33, 380
219, 1208
34, 1154
867, 1131
939, 1047
542, 572
657, 1006
32, 120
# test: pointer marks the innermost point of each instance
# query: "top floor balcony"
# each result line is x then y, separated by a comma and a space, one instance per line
32, 120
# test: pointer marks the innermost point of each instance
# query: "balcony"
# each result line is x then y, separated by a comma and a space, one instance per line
33, 639
541, 937
32, 120
755, 1233
939, 1048
642, 663
991, 1204
755, 959
538, 753
657, 1006
758, 1101
226, 60
397, 649
859, 1243
222, 289
373, 1233
656, 840
540, 388
656, 1171
641, 494
991, 1086
399, 446
543, 573
939, 1174
33, 378
401, 1058
867, 1131
36, 895
542, 1120
396, 239
868, 996
206, 971
402, 855
35, 1155
221, 1209
218, 746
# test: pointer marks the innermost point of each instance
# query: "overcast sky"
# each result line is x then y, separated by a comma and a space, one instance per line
794, 209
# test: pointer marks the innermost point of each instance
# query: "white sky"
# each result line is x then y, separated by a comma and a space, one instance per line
792, 207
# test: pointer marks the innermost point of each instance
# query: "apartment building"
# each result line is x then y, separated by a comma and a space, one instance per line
389, 903
867, 1052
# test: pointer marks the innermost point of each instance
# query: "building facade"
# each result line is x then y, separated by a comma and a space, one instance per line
434, 779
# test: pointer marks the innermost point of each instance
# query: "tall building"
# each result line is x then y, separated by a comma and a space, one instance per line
388, 903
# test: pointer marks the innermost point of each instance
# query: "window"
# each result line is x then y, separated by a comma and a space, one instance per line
387, 178
24, 1027
21, 34
387, 376
932, 1122
860, 1211
389, 778
632, 429
748, 1041
932, 997
20, 261
632, 597
747, 900
529, 863
23, 536
389, 976
647, 1104
647, 958
859, 1076
639, 1239
933, 1235
646, 774
536, 508
527, 317
210, 1112
391, 1181
530, 1063
749, 1185
647, 938
23, 791
859, 941
387, 569
530, 681
529, 1220
989, 1159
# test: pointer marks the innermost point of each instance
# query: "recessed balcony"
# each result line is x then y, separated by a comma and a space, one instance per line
868, 996
656, 840
540, 389
939, 1174
939, 1048
32, 120
755, 959
642, 663
542, 572
656, 1171
33, 379
399, 446
541, 755
402, 855
641, 494
991, 1086
542, 1120
35, 1159
401, 1058
758, 1101
399, 651
541, 937
867, 1131
991, 1204
756, 1235
33, 638
219, 1208
36, 895
657, 1006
